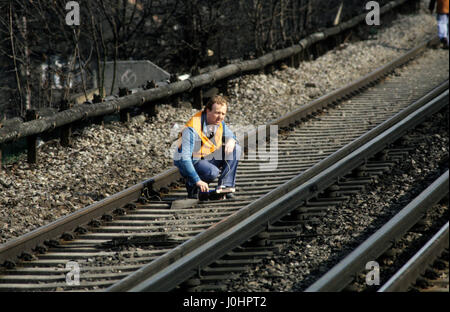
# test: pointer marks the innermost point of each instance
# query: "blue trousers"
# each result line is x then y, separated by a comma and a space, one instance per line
218, 166
442, 20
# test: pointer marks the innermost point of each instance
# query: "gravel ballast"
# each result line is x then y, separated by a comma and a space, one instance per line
105, 160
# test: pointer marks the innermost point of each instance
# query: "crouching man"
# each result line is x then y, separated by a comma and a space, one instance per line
208, 149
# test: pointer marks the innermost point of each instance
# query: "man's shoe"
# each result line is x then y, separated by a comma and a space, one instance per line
228, 191
222, 189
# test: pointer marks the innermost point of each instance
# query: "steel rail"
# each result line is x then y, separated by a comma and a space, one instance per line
418, 263
172, 268
351, 88
342, 274
28, 242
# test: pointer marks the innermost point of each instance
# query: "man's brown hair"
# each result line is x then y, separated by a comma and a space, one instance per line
217, 99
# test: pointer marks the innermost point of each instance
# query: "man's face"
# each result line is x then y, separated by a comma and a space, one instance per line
216, 115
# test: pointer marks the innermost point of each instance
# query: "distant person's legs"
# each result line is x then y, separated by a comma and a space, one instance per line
442, 20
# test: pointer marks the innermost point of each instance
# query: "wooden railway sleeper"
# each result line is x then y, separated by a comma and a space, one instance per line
258, 240
234, 262
382, 156
377, 167
398, 158
325, 200
250, 252
306, 216
331, 192
352, 187
351, 191
355, 181
289, 221
206, 271
280, 228
276, 235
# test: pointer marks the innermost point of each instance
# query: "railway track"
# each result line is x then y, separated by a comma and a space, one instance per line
122, 241
297, 249
192, 261
433, 255
380, 242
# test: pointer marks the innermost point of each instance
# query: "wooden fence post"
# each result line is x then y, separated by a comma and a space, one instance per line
337, 40
297, 60
269, 69
124, 113
97, 98
197, 93
32, 139
66, 130
222, 85
149, 108
175, 100
198, 98
291, 61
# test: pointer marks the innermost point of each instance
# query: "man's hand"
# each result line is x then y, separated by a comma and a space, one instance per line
229, 146
202, 186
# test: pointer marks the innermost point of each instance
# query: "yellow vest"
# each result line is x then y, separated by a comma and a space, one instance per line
207, 147
442, 6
